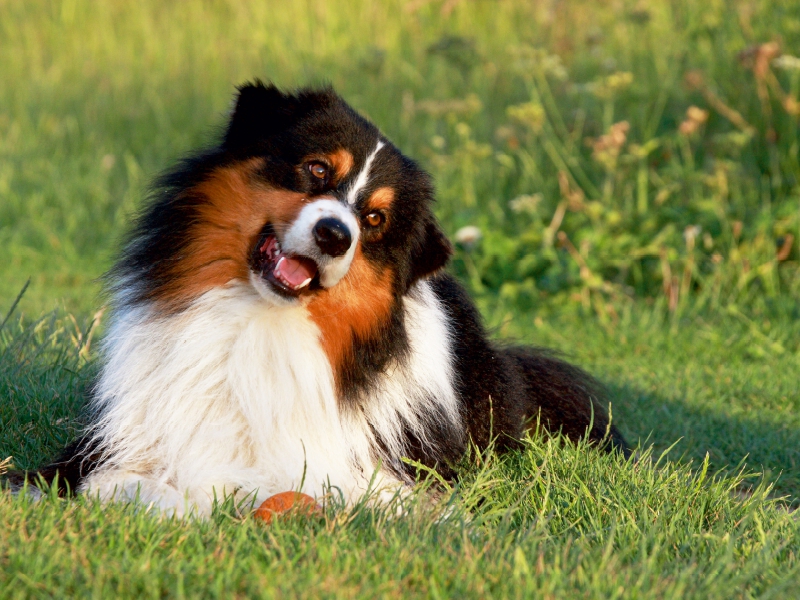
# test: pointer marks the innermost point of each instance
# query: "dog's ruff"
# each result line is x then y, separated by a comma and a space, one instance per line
235, 396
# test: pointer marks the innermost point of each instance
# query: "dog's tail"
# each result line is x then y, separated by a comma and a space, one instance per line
564, 398
66, 473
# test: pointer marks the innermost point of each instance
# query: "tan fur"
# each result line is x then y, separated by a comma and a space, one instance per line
234, 210
356, 306
342, 162
381, 199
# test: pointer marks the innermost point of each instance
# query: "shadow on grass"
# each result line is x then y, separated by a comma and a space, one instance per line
763, 444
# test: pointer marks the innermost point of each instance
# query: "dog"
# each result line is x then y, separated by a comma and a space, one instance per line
282, 321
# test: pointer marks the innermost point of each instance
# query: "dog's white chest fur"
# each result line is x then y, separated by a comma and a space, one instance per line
235, 395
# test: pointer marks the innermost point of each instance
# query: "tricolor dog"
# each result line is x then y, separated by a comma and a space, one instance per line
281, 318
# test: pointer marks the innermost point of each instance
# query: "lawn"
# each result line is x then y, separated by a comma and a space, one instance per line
633, 168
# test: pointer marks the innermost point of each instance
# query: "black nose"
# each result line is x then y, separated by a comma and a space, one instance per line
332, 236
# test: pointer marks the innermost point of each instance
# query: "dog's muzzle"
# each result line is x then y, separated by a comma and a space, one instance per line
316, 251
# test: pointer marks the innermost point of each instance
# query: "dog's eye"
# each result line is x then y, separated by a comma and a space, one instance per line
374, 219
318, 170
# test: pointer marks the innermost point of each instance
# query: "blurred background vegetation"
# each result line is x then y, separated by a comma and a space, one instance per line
608, 152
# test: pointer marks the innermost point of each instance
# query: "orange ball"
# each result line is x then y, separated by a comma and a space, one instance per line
285, 502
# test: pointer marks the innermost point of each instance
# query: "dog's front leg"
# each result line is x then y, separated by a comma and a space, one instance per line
128, 486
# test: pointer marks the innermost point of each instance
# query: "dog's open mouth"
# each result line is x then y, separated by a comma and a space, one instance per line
287, 274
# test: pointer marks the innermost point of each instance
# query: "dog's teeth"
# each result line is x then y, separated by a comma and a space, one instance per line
304, 284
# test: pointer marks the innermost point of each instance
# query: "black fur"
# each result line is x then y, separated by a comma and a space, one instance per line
506, 391
65, 472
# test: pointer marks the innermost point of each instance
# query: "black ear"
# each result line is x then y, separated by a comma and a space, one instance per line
431, 253
261, 110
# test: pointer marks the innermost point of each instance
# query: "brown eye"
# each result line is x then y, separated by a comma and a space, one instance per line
374, 219
318, 170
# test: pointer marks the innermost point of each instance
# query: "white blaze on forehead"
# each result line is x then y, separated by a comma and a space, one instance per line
363, 176
299, 239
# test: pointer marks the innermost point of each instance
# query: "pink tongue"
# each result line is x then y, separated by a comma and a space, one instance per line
294, 271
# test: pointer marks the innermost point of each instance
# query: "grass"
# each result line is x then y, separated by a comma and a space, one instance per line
549, 522
555, 520
633, 170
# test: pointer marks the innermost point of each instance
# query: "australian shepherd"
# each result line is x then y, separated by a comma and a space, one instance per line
282, 321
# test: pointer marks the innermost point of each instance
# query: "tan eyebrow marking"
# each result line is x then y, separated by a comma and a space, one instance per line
342, 162
381, 199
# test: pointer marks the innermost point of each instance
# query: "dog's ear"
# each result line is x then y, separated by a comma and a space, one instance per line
261, 110
431, 253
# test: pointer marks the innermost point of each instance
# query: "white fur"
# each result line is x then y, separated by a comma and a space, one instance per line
299, 239
236, 396
363, 176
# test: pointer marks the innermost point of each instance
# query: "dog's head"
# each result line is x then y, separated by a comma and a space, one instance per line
305, 200
303, 195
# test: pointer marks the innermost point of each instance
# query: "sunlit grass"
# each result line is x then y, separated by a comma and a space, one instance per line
553, 519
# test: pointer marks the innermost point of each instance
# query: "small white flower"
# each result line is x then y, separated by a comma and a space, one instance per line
787, 62
691, 232
468, 236
525, 203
